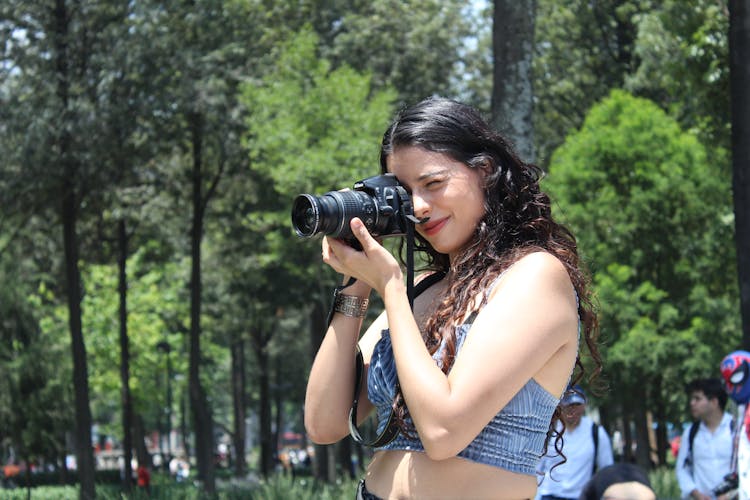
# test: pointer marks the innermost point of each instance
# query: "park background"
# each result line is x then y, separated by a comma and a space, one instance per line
155, 300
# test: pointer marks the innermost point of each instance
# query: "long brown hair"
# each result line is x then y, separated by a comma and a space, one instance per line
517, 221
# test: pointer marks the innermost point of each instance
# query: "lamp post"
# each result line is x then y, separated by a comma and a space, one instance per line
166, 349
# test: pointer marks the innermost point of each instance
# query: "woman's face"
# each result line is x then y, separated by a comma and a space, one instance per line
443, 189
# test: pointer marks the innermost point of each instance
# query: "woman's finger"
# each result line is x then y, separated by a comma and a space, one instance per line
362, 234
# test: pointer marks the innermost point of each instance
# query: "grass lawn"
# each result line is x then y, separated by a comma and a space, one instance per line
279, 487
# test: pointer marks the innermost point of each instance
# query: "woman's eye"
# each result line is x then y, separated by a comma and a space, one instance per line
432, 184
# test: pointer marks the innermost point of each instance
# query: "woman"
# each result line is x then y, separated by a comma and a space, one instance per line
475, 372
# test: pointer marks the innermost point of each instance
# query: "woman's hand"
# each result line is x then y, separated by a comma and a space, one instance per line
373, 265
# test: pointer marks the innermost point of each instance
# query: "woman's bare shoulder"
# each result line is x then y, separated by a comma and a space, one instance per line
538, 268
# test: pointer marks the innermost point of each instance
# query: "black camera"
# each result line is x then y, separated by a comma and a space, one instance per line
380, 202
730, 482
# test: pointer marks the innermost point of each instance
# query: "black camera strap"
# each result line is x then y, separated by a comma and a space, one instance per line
391, 429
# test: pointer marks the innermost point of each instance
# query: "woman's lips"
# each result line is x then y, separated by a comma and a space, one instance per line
433, 227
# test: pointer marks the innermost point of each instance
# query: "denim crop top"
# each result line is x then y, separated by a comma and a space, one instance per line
512, 440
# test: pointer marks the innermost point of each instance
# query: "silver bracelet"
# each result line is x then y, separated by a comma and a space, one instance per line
350, 305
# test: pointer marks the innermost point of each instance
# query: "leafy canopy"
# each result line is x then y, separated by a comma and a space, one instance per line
650, 212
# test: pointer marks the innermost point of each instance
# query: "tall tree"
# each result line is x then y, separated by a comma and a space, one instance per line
413, 46
199, 42
59, 62
126, 399
512, 90
583, 49
680, 61
336, 118
35, 394
739, 57
70, 197
629, 177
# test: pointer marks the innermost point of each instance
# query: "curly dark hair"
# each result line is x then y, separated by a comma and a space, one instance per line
517, 221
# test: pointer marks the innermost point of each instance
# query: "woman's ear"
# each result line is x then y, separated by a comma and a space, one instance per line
485, 167
485, 171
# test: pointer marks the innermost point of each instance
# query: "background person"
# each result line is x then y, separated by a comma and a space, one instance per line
586, 447
475, 371
144, 478
705, 458
622, 481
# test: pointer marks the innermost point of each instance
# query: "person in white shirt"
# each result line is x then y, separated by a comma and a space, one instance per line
583, 453
702, 465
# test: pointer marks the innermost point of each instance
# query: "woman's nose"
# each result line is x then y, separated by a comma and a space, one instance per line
420, 205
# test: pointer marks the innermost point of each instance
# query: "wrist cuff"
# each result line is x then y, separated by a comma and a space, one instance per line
350, 305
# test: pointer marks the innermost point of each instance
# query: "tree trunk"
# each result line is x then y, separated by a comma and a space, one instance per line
331, 459
278, 401
63, 470
345, 457
184, 431
627, 452
125, 399
642, 449
739, 70
141, 450
260, 344
69, 211
317, 331
84, 452
512, 91
28, 479
202, 419
238, 396
662, 440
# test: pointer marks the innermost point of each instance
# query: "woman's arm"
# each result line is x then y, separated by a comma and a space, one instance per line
528, 329
330, 386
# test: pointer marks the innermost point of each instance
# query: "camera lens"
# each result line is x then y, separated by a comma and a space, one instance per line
331, 213
305, 215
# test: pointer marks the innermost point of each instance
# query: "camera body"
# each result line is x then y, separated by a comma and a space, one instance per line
730, 482
383, 205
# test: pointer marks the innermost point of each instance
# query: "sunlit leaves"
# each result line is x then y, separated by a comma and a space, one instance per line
650, 212
313, 128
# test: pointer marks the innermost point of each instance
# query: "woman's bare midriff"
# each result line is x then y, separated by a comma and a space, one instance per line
409, 474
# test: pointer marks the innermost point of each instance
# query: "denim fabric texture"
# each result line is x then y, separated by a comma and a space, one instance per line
513, 440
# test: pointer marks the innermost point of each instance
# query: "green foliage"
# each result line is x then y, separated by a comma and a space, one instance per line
286, 111
651, 214
682, 49
43, 493
282, 487
277, 487
311, 127
35, 400
413, 46
664, 483
155, 297
582, 50
673, 52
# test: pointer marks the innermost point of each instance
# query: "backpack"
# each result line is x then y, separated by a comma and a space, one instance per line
595, 437
691, 437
